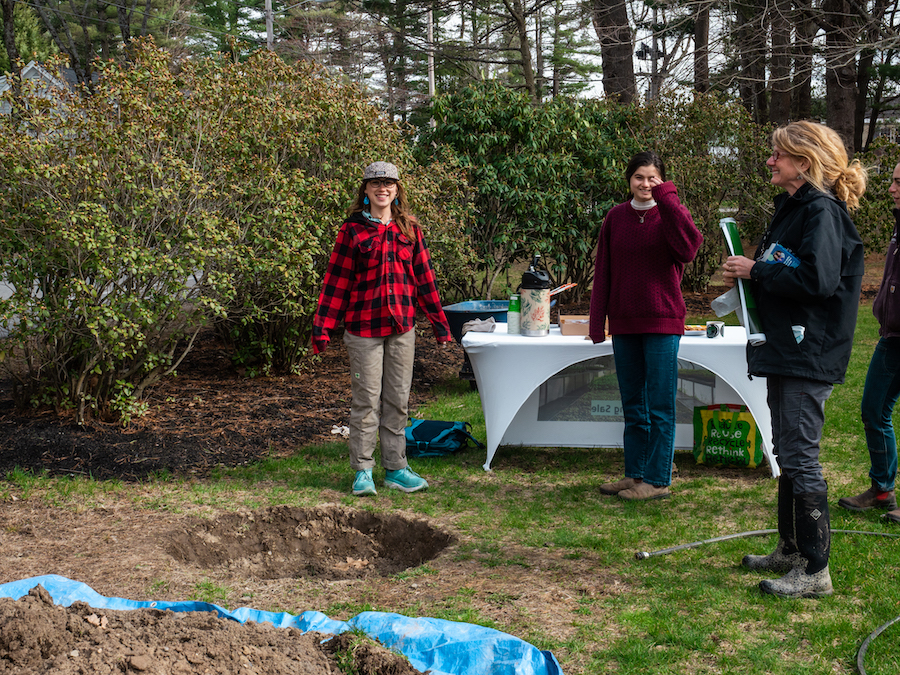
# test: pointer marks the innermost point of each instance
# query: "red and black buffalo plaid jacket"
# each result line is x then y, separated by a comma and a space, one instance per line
375, 278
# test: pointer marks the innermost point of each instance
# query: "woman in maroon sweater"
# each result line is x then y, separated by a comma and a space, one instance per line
643, 248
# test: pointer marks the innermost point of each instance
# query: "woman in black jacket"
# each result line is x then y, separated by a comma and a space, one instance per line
808, 314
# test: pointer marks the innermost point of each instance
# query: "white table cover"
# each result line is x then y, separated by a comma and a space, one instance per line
509, 370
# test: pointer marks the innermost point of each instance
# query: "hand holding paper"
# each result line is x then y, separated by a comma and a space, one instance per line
741, 266
738, 267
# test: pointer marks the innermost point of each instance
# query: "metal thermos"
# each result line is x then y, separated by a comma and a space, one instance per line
534, 298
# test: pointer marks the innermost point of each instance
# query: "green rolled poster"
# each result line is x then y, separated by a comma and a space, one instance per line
747, 311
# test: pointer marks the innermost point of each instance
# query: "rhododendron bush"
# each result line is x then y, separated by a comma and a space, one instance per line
177, 198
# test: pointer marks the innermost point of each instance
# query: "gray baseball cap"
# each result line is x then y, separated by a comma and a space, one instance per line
381, 170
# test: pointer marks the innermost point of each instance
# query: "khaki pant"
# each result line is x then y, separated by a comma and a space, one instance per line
381, 371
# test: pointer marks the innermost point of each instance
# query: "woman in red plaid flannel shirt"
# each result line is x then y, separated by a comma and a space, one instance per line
379, 272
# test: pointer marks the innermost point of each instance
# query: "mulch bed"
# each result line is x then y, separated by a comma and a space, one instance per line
208, 416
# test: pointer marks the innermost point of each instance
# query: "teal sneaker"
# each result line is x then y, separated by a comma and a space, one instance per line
363, 484
405, 479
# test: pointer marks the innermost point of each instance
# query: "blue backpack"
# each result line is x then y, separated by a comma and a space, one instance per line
433, 438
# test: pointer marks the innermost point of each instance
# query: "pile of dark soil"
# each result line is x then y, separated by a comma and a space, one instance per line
40, 637
326, 543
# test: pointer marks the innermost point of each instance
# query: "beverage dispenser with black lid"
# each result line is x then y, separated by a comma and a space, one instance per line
534, 294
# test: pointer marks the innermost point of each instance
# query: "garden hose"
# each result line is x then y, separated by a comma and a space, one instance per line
861, 654
643, 555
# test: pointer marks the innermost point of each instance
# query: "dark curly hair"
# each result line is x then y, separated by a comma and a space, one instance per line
646, 158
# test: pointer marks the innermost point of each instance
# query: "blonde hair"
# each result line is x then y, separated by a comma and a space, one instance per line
406, 221
823, 148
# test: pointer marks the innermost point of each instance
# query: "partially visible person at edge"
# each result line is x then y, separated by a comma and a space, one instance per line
808, 315
883, 384
643, 247
379, 272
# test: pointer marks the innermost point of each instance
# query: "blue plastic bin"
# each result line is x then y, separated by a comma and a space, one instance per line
457, 314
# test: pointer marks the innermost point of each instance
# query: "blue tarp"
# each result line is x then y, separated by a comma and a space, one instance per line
443, 647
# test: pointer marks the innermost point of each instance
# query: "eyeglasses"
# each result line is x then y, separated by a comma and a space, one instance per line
382, 183
776, 154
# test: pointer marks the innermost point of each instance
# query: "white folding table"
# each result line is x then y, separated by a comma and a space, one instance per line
511, 369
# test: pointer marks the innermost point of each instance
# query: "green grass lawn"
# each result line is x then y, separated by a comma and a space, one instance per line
691, 611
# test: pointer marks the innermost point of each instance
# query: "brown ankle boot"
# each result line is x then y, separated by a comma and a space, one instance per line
873, 498
644, 491
617, 487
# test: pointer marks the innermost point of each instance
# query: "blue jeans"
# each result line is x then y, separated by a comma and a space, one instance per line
879, 397
647, 371
798, 415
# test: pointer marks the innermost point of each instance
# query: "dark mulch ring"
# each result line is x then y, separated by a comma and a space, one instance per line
207, 416
210, 415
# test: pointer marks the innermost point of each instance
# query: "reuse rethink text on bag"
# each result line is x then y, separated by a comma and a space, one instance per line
726, 433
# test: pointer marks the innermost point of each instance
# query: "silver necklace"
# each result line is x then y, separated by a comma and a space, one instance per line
641, 214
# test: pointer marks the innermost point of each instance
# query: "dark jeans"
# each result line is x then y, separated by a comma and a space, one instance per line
798, 415
647, 371
879, 397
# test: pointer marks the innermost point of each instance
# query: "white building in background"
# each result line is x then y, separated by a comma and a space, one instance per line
888, 127
34, 72
46, 85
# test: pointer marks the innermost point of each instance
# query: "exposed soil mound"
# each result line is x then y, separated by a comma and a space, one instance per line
328, 542
39, 637
369, 658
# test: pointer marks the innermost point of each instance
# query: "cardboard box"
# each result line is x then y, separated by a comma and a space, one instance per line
574, 324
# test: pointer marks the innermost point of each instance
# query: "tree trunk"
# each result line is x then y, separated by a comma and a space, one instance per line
610, 18
557, 74
780, 68
805, 30
863, 78
540, 81
751, 44
9, 33
701, 49
80, 54
840, 69
876, 111
517, 12
864, 73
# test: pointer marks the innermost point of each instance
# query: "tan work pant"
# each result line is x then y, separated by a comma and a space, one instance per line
381, 371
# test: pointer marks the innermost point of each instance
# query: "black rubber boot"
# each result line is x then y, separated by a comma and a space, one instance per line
786, 555
813, 527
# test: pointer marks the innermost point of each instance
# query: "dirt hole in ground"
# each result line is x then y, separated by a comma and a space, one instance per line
328, 542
